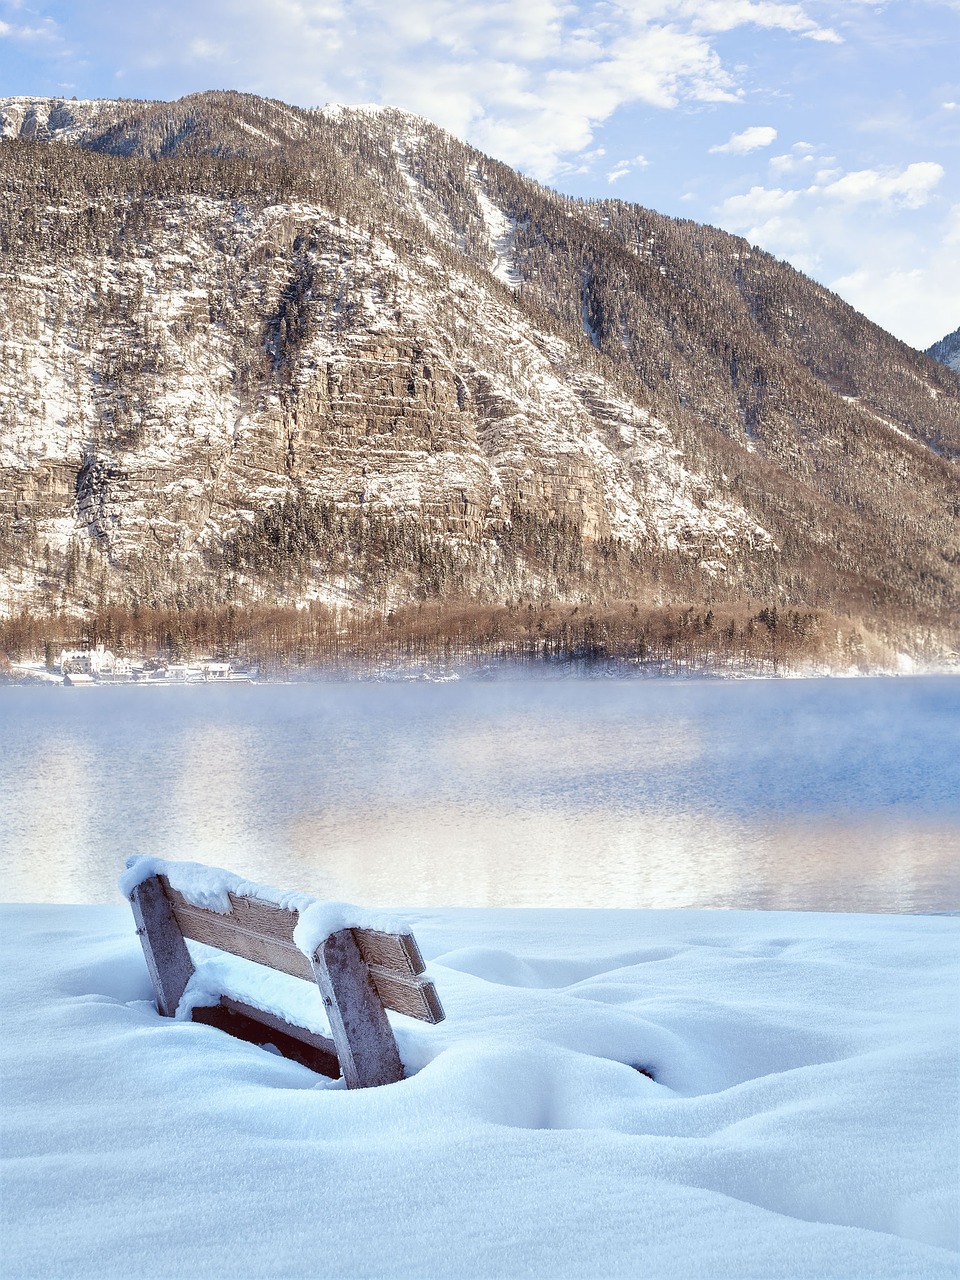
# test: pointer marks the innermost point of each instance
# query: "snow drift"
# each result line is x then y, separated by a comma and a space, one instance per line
801, 1121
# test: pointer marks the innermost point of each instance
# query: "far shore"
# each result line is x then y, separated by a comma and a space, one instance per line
483, 667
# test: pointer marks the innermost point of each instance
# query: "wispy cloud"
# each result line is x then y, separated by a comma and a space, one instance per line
752, 139
911, 187
725, 15
757, 203
530, 82
799, 157
45, 31
903, 273
206, 50
623, 167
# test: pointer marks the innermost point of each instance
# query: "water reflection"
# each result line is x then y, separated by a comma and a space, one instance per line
534, 859
57, 792
213, 801
564, 746
815, 795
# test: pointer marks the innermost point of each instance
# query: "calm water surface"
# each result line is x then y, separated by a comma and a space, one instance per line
820, 795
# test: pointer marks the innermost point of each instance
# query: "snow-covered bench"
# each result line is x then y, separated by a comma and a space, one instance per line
362, 965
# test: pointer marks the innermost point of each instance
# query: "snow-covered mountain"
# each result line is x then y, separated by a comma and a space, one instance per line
947, 350
253, 352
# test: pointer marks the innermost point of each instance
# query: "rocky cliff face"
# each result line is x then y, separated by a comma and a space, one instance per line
249, 352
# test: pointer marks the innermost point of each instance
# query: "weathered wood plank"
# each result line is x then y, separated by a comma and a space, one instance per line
361, 1030
262, 917
256, 1026
283, 1025
254, 930
417, 998
166, 954
397, 951
263, 932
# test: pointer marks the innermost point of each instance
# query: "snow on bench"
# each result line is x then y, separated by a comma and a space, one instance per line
363, 964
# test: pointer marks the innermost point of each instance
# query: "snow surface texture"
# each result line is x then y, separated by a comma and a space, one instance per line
802, 1122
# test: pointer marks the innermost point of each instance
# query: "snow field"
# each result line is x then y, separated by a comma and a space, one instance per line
802, 1122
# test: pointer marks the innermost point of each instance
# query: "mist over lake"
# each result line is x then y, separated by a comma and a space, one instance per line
814, 795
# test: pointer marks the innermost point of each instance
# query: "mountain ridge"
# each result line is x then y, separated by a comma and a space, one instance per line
947, 350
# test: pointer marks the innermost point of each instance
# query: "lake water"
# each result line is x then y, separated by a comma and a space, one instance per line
817, 794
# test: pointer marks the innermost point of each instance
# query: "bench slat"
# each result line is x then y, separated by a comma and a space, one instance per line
256, 1026
254, 930
263, 932
396, 951
416, 997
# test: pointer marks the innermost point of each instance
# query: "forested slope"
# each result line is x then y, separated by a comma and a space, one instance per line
250, 353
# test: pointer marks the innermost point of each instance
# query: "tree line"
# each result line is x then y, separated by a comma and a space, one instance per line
285, 641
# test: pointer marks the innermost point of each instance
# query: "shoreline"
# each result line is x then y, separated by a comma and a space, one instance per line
34, 674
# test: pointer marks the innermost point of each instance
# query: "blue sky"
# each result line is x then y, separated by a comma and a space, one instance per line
828, 132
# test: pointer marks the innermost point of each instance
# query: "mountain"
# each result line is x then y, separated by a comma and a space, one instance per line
252, 353
947, 350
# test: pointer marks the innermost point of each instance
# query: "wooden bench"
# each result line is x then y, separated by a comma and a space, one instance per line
361, 972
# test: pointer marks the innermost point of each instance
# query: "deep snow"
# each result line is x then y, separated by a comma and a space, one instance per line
802, 1123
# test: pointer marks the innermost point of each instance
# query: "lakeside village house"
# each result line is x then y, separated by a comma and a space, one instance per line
102, 664
93, 662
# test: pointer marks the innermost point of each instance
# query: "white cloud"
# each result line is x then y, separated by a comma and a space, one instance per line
909, 188
800, 154
912, 187
758, 202
726, 15
918, 303
789, 163
206, 50
46, 31
859, 234
536, 116
738, 144
623, 167
529, 82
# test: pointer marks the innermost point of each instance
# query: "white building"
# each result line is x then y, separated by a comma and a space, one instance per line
92, 662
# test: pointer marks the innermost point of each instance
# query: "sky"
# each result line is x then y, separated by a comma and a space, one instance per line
826, 131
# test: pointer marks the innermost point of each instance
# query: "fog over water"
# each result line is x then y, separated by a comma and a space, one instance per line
815, 794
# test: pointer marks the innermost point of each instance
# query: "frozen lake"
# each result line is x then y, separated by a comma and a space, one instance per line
812, 795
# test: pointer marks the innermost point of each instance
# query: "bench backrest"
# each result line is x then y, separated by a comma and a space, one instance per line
263, 932
361, 972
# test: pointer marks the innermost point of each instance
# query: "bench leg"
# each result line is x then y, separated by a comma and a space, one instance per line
361, 1031
164, 949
